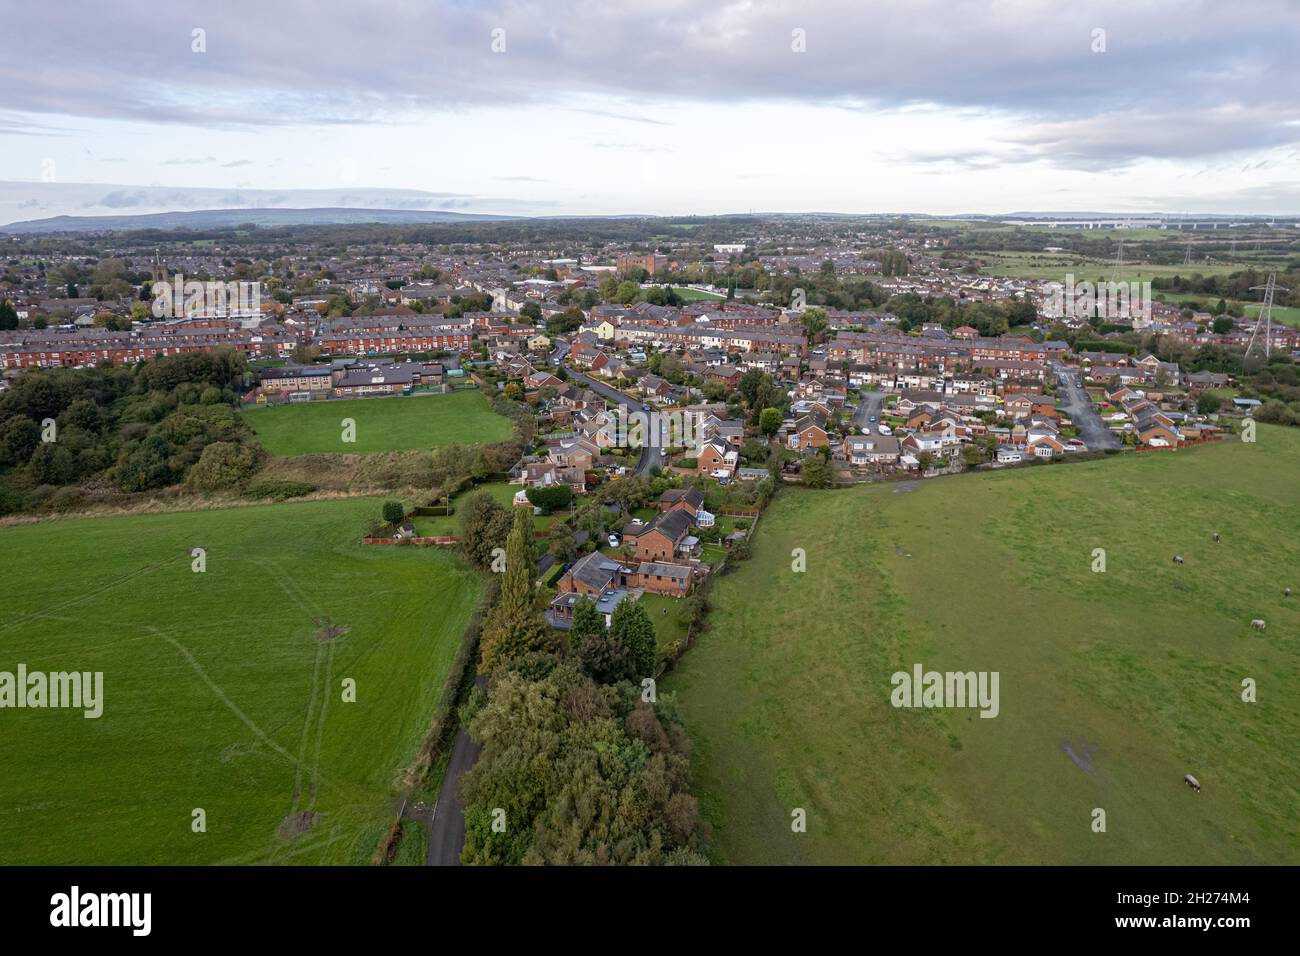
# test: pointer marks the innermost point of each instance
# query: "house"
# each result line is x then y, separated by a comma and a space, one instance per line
607, 582
864, 450
662, 538
716, 460
690, 500
809, 431
660, 577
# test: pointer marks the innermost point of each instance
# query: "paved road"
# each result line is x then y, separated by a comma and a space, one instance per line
447, 836
1074, 400
649, 456
869, 404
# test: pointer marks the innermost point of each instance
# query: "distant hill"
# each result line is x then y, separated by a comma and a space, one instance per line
226, 218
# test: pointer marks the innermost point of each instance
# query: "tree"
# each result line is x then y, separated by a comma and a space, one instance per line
516, 626
769, 421
19, 436
814, 323
394, 511
1222, 325
484, 526
816, 472
1208, 403
551, 498
631, 625
562, 543
585, 774
604, 657
222, 465
587, 622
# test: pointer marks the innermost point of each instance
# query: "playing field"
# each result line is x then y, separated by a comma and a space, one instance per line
223, 690
1112, 685
382, 424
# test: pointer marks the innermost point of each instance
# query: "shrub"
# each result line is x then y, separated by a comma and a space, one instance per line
279, 489
549, 499
223, 465
394, 512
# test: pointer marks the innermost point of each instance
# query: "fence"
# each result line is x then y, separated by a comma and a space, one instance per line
1181, 444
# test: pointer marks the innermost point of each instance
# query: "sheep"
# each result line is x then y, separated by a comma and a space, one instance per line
1178, 559
1192, 782
1216, 537
1257, 624
1286, 593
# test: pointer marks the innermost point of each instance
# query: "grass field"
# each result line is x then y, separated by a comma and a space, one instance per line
1282, 314
697, 295
382, 424
220, 690
1112, 685
1056, 265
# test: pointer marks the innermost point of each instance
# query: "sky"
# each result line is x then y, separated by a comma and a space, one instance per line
668, 108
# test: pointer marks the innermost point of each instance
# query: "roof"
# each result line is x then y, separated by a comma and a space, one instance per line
673, 525
691, 496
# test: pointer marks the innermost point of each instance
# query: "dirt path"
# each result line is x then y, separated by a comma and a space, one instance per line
447, 833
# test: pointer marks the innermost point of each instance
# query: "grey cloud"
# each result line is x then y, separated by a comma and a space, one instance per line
1174, 62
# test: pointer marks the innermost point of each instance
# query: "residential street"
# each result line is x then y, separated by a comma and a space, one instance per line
869, 404
1073, 399
649, 456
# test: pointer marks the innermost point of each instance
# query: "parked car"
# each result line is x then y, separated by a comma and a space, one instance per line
614, 540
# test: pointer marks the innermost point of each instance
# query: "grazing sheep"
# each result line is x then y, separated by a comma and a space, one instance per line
1178, 559
1257, 624
1192, 782
1286, 593
1216, 537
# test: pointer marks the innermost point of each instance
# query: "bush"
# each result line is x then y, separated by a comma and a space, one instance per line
394, 512
279, 489
549, 499
223, 465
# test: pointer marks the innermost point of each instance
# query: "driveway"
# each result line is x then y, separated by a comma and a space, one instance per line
1073, 400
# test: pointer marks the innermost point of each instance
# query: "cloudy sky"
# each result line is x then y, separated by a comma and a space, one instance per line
671, 107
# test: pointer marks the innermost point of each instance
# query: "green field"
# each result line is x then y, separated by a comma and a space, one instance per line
222, 689
382, 424
1112, 685
1056, 265
697, 295
1282, 314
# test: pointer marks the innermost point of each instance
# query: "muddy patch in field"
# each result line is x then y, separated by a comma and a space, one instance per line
296, 824
1081, 755
327, 630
